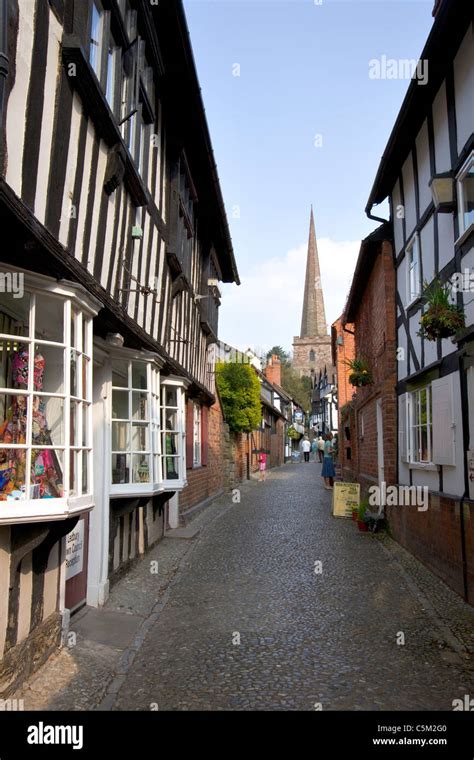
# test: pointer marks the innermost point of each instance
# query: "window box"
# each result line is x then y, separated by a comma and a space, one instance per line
45, 401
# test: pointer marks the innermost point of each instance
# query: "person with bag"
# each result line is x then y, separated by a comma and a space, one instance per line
262, 466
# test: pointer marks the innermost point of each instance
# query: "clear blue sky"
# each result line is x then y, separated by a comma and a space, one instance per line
303, 72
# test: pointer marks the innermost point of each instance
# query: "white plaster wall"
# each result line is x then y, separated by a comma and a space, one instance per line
424, 171
26, 591
44, 159
51, 583
409, 195
402, 363
441, 133
397, 223
445, 239
431, 352
15, 125
427, 249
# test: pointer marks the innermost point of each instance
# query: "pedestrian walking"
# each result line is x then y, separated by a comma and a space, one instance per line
328, 472
262, 466
306, 448
321, 447
314, 448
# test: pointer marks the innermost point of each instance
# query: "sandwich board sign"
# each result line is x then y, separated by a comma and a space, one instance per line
345, 498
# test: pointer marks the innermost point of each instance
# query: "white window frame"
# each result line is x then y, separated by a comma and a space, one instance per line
156, 451
134, 485
413, 245
181, 385
464, 171
96, 61
197, 435
79, 306
414, 450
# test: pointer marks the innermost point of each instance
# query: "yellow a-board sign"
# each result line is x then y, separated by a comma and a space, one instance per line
345, 498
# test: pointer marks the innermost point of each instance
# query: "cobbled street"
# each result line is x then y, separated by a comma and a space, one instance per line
306, 639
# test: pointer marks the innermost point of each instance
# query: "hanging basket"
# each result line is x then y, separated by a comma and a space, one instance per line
359, 379
441, 322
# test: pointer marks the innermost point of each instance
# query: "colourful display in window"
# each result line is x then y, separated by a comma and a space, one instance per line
46, 472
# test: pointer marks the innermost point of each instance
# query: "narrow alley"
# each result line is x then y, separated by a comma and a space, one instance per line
247, 623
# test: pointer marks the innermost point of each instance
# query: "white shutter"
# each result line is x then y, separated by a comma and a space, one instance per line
403, 427
443, 421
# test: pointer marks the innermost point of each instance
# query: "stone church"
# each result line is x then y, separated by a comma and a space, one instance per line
312, 349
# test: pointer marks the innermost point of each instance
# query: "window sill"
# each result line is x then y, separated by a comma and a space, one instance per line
35, 510
464, 236
423, 466
132, 490
96, 105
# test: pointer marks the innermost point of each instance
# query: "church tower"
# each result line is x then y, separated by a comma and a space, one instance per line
312, 349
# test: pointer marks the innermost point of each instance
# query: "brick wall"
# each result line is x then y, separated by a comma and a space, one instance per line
434, 537
207, 481
375, 341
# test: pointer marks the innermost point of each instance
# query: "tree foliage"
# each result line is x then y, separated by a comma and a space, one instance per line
280, 352
239, 389
299, 388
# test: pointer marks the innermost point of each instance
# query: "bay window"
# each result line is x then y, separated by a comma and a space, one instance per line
146, 452
45, 403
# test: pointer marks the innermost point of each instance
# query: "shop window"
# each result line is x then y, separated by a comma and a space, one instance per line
45, 404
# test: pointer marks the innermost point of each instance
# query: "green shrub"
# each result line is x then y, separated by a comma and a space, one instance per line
239, 390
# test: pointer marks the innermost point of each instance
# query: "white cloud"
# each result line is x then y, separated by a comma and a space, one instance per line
266, 309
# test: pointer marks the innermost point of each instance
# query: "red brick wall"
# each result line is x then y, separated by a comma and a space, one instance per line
375, 341
342, 354
434, 537
206, 481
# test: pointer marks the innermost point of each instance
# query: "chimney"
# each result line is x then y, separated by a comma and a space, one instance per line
273, 370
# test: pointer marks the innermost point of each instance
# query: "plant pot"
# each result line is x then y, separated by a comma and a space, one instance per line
355, 514
362, 525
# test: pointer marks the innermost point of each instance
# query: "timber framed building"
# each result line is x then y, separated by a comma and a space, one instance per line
117, 240
427, 174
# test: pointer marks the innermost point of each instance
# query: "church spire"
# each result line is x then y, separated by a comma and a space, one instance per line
313, 322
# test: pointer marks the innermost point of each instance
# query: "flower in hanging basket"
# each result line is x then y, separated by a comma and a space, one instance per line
442, 319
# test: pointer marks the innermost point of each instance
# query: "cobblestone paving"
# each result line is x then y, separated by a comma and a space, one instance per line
305, 638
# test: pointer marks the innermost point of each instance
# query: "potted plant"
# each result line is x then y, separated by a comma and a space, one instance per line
360, 374
361, 521
442, 319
